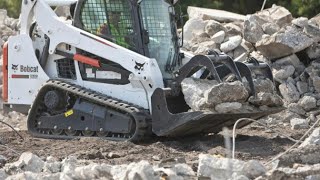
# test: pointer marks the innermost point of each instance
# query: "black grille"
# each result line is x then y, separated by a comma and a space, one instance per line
66, 69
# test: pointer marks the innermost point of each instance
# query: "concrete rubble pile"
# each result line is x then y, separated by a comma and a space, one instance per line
290, 46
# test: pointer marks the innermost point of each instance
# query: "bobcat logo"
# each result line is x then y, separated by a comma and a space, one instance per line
139, 66
15, 67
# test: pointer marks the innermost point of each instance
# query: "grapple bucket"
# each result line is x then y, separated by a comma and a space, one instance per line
171, 116
166, 122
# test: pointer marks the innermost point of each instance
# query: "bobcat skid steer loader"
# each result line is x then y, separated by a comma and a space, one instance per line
113, 70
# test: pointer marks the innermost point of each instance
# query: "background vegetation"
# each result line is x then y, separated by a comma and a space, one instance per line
307, 8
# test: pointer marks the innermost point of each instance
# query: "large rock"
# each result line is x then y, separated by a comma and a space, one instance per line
226, 92
213, 27
34, 176
266, 99
228, 107
308, 103
298, 123
254, 169
193, 90
3, 16
270, 28
253, 31
224, 168
289, 92
313, 31
315, 20
176, 172
69, 164
314, 51
193, 26
264, 85
316, 83
284, 73
279, 15
231, 44
302, 87
218, 37
92, 171
133, 171
213, 14
296, 108
284, 43
29, 162
205, 94
301, 22
3, 174
233, 29
205, 47
313, 139
289, 60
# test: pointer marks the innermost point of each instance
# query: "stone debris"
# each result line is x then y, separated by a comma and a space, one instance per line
313, 139
297, 123
271, 36
308, 103
28, 162
224, 168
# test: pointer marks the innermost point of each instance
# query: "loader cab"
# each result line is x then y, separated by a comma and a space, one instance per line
146, 27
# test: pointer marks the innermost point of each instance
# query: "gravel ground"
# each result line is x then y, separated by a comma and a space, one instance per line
252, 142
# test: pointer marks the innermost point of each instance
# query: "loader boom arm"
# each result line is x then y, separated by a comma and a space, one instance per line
60, 33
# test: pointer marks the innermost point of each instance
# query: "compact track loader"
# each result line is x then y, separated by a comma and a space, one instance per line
113, 69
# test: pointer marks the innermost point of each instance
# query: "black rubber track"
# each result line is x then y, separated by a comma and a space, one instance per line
140, 116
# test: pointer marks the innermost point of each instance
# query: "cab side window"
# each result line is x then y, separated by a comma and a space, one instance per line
109, 19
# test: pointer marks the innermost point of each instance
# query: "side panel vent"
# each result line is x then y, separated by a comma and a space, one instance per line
66, 68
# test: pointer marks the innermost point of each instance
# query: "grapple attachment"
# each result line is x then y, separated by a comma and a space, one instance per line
173, 117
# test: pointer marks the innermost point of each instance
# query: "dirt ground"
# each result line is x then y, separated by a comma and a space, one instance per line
253, 142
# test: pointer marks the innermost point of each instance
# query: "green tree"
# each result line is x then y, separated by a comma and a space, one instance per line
12, 6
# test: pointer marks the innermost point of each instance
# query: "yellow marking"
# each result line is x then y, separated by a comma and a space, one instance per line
68, 113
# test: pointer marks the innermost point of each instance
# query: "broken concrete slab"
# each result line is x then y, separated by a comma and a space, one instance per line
214, 14
284, 43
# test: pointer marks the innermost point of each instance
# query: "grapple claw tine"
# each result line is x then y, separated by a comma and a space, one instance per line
227, 61
263, 68
244, 71
194, 65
